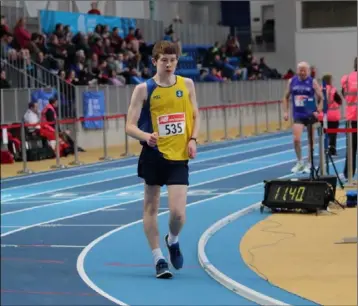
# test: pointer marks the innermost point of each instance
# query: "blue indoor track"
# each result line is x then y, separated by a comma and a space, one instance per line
75, 236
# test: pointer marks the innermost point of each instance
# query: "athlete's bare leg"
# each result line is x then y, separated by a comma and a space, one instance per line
297, 130
150, 215
150, 212
177, 197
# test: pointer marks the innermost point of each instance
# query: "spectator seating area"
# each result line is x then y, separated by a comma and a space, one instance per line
104, 57
61, 59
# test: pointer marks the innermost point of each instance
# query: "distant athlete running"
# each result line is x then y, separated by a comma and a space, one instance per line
163, 115
300, 88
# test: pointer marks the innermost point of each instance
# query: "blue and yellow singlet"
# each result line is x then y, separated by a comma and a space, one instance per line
169, 112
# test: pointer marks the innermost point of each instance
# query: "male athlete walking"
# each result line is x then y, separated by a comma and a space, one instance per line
301, 88
163, 115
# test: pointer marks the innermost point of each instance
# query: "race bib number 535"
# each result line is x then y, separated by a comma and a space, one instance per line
172, 124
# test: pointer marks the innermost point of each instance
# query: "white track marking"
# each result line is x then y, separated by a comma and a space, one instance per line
194, 172
55, 246
51, 190
66, 225
83, 254
262, 138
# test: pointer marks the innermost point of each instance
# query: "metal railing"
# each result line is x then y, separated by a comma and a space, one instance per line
27, 75
217, 121
228, 110
21, 74
14, 101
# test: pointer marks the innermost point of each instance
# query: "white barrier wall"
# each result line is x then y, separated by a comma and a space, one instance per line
227, 109
330, 51
216, 123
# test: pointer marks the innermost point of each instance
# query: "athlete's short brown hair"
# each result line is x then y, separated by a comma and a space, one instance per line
164, 47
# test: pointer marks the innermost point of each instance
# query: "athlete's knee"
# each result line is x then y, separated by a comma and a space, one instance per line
296, 140
150, 209
177, 215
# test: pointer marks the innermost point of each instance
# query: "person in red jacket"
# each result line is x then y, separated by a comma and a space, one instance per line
21, 35
94, 10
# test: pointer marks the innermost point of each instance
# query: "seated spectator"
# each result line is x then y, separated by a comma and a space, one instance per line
113, 80
4, 83
116, 41
232, 46
247, 56
59, 31
4, 28
266, 71
32, 116
105, 32
56, 50
146, 74
33, 46
68, 35
7, 51
214, 76
289, 74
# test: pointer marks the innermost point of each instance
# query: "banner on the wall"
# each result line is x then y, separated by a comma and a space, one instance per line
93, 106
84, 23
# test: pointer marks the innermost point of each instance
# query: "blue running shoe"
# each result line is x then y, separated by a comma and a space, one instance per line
162, 269
176, 258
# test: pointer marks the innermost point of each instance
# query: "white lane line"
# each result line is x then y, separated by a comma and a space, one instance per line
194, 172
86, 250
55, 246
65, 225
81, 258
136, 200
262, 138
51, 190
220, 277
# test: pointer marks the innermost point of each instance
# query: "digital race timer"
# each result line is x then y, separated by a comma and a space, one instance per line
310, 195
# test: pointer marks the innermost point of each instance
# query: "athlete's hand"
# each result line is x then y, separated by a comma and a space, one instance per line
285, 116
192, 149
152, 139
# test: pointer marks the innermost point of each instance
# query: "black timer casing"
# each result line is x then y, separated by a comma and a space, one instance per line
297, 194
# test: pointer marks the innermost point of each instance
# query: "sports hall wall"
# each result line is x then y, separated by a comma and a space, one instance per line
207, 12
332, 51
326, 37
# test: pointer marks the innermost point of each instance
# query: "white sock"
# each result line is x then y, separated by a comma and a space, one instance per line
172, 239
157, 254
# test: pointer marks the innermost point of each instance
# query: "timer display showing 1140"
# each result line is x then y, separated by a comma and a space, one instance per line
296, 193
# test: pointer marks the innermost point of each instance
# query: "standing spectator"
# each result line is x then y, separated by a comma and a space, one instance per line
22, 36
313, 72
94, 9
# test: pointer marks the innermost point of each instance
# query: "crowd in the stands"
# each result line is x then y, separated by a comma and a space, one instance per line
104, 57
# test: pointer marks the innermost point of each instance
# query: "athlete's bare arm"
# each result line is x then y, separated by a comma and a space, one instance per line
286, 97
139, 95
319, 94
192, 93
